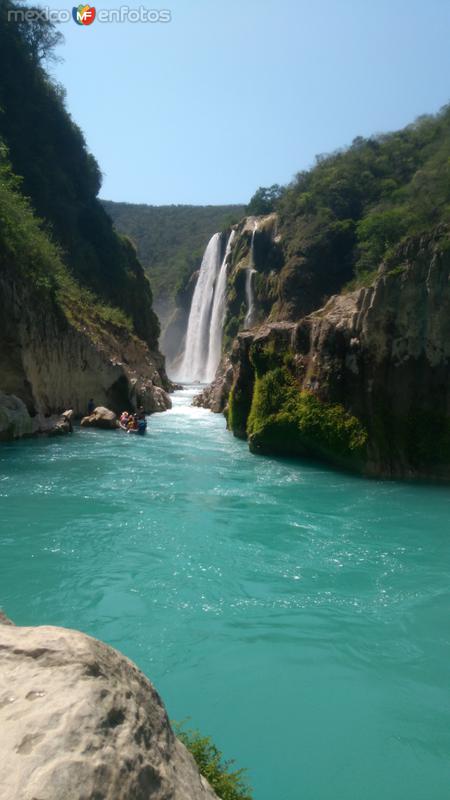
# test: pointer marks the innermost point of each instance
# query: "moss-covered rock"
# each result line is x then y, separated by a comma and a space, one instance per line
284, 419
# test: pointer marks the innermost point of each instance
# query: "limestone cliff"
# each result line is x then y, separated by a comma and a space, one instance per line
53, 361
364, 381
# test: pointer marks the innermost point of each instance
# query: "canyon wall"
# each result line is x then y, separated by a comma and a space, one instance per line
363, 382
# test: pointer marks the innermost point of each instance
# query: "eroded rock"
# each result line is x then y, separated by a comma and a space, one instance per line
15, 420
101, 417
79, 721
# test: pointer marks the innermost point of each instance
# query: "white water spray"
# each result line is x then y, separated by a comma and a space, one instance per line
218, 315
195, 359
249, 284
250, 295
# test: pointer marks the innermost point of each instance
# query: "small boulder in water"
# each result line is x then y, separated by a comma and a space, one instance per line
158, 400
101, 417
63, 424
55, 425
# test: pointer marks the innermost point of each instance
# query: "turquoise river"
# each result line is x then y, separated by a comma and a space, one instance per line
298, 615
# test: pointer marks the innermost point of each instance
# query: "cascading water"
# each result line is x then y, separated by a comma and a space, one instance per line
195, 359
218, 315
249, 292
203, 347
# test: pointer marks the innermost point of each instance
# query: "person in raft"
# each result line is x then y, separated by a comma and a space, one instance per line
124, 420
133, 423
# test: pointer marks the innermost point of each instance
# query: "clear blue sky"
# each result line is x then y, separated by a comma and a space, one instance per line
231, 95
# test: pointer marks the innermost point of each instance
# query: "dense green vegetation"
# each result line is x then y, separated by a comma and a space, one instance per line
62, 179
269, 408
170, 240
229, 784
373, 194
339, 220
286, 419
265, 200
27, 252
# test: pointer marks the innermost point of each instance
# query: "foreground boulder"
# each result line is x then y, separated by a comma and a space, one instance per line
79, 721
100, 418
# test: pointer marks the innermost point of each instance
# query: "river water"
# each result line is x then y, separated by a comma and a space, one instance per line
298, 615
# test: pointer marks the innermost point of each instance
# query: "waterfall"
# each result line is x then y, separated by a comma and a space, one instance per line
249, 291
218, 315
195, 359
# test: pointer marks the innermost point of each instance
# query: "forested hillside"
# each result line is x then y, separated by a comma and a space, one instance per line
76, 317
170, 240
339, 220
60, 176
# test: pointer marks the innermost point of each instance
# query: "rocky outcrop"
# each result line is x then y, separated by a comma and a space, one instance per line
16, 422
384, 352
101, 417
256, 246
55, 425
215, 395
52, 362
79, 721
376, 359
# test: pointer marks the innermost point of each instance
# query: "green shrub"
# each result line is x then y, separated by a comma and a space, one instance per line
28, 251
229, 784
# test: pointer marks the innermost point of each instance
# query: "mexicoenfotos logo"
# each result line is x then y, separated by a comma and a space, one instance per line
83, 15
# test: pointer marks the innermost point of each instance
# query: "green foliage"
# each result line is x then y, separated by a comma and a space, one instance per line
230, 330
377, 232
265, 200
266, 358
27, 251
170, 240
347, 214
239, 403
285, 419
229, 784
62, 178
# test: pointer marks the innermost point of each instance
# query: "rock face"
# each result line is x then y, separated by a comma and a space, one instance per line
101, 417
215, 396
79, 721
384, 352
15, 420
55, 425
381, 354
52, 364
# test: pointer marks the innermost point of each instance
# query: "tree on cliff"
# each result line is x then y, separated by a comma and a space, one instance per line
265, 200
